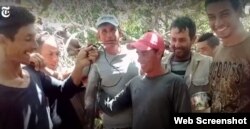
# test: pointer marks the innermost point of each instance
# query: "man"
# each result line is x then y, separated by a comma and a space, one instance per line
191, 66
48, 48
112, 70
62, 110
230, 71
153, 96
207, 43
24, 91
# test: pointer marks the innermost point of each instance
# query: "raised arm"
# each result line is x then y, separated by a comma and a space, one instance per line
91, 89
69, 86
113, 105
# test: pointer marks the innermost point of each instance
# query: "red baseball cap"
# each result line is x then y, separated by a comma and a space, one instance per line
150, 40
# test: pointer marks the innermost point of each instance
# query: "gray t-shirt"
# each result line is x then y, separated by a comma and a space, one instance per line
152, 100
114, 71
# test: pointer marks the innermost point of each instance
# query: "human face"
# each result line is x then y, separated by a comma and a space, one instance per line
180, 43
204, 49
19, 49
108, 35
50, 53
147, 60
223, 19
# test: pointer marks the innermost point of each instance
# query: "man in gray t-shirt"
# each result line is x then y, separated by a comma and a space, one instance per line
115, 66
153, 96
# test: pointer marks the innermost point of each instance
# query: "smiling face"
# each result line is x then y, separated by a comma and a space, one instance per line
223, 18
147, 60
180, 43
50, 52
23, 44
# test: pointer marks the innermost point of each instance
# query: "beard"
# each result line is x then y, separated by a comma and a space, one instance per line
182, 54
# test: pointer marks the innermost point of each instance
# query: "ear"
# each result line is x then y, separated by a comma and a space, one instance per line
194, 39
159, 54
98, 35
240, 13
121, 33
2, 39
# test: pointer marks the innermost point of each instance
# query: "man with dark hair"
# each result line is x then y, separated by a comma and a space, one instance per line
24, 91
207, 43
191, 66
230, 71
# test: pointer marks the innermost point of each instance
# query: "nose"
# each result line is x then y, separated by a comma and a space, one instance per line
175, 45
34, 45
109, 35
218, 22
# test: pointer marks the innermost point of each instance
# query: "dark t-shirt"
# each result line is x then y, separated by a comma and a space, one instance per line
152, 100
27, 108
229, 79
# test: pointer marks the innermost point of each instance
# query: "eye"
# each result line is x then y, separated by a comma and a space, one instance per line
182, 40
50, 54
58, 54
225, 14
28, 38
173, 40
104, 31
211, 18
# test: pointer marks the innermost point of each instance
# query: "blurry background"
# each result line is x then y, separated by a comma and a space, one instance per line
135, 16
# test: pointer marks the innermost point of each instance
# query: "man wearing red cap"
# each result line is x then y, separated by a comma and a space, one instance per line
154, 95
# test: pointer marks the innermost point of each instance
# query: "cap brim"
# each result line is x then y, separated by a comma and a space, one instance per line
101, 23
140, 45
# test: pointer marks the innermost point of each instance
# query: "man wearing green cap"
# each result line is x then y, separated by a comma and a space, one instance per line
113, 69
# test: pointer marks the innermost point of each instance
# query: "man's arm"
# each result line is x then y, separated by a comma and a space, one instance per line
113, 105
71, 85
91, 89
85, 58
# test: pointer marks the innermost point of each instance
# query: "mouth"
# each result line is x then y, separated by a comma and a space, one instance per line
53, 67
178, 50
109, 42
221, 29
30, 50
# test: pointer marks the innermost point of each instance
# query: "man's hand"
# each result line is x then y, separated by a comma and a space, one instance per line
86, 56
37, 61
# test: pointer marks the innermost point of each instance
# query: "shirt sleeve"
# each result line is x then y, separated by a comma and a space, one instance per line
55, 88
113, 105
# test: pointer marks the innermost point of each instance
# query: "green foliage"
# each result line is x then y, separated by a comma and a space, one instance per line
136, 16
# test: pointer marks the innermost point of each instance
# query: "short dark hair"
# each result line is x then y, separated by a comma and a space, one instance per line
19, 17
235, 3
183, 23
212, 40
